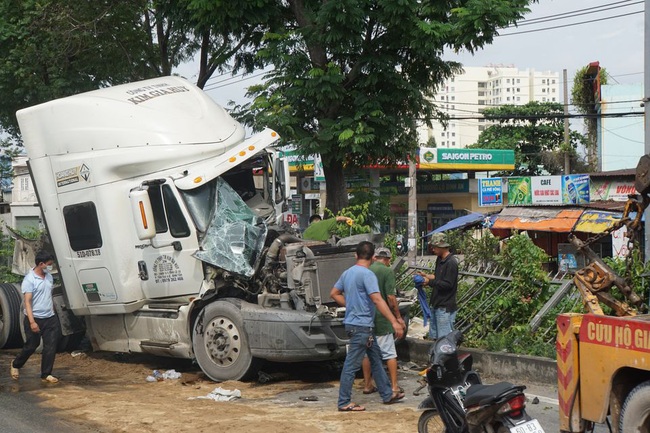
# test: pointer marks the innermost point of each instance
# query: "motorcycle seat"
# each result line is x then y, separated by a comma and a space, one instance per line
478, 395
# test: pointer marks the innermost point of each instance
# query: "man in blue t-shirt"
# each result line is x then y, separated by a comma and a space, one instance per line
357, 289
40, 320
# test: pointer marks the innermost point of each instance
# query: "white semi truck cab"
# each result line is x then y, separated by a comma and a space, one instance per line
163, 219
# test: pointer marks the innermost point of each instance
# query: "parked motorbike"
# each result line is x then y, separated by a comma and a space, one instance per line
459, 403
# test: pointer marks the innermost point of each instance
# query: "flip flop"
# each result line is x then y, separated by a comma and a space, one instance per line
371, 390
397, 396
352, 407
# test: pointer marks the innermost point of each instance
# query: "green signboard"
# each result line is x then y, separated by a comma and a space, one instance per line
466, 159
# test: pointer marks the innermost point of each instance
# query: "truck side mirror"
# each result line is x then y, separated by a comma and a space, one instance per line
143, 219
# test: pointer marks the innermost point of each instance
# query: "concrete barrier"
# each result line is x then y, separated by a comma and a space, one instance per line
500, 365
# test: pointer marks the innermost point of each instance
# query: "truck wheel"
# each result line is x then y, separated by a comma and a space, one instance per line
10, 299
635, 414
430, 422
221, 345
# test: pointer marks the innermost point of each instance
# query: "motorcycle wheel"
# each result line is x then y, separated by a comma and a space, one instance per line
430, 422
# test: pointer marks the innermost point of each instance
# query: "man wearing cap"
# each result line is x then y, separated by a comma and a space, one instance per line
383, 329
444, 284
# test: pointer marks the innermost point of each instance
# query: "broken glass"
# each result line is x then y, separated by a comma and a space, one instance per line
235, 235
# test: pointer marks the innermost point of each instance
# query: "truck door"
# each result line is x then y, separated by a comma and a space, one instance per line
167, 267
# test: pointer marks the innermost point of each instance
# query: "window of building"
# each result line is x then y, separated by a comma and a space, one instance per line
543, 99
481, 102
481, 85
543, 90
553, 99
481, 127
508, 98
518, 81
518, 89
453, 134
24, 183
481, 93
553, 82
82, 226
508, 80
453, 143
518, 99
543, 81
453, 98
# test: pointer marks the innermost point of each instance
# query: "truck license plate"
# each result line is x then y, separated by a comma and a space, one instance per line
528, 427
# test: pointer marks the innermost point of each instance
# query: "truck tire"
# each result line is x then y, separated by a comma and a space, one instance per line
635, 414
430, 422
10, 323
220, 343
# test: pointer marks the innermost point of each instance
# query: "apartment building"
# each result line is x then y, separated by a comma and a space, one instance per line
464, 96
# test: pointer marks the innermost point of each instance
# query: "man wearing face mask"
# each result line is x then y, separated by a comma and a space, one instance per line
40, 320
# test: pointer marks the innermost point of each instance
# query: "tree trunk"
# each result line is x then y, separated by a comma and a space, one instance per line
337, 193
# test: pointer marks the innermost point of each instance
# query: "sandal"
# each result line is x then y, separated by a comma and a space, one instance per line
371, 390
397, 396
352, 407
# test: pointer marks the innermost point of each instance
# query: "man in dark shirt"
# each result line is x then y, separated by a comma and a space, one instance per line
444, 284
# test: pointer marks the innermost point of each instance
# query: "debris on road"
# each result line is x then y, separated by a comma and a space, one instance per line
157, 376
220, 394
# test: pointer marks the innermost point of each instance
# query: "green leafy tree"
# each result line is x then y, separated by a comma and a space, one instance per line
583, 99
352, 80
55, 48
535, 131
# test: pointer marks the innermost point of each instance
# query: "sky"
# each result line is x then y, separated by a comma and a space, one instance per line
616, 42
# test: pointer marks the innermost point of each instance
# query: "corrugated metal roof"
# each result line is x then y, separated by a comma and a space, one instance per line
625, 172
559, 220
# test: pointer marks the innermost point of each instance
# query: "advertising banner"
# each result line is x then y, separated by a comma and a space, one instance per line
490, 192
547, 189
519, 191
575, 189
610, 190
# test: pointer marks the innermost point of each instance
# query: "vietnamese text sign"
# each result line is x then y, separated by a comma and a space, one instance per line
469, 159
610, 190
547, 189
575, 189
519, 191
490, 192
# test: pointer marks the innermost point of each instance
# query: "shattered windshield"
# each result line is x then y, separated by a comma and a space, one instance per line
234, 236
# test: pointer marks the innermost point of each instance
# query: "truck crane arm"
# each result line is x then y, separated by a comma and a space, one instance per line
596, 279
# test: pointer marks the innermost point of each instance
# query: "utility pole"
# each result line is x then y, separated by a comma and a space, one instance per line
567, 159
646, 107
412, 211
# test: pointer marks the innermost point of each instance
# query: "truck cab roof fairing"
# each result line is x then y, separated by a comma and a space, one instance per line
161, 111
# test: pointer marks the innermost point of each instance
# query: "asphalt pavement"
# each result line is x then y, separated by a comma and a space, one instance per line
21, 413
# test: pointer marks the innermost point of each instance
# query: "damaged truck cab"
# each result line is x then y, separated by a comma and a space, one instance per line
164, 222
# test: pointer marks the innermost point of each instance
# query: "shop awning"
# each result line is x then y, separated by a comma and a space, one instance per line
559, 220
460, 222
596, 221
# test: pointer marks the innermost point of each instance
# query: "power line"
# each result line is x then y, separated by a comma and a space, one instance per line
576, 13
548, 116
216, 86
572, 24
